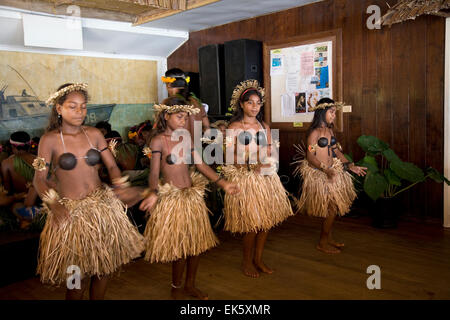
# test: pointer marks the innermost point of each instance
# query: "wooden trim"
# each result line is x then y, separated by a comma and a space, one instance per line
447, 125
333, 35
162, 13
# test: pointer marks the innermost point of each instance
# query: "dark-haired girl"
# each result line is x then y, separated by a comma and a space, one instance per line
178, 229
87, 234
263, 201
177, 84
327, 186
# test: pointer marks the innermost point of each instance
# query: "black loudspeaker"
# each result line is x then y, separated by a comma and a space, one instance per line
243, 61
194, 83
212, 78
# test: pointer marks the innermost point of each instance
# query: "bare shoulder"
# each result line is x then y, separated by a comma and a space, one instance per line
265, 125
234, 125
93, 131
7, 162
156, 142
314, 135
49, 138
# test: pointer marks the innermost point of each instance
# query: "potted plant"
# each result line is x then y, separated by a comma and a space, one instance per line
387, 177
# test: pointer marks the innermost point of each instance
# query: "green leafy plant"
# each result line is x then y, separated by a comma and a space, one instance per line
387, 175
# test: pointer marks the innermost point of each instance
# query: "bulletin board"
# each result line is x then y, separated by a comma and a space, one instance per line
298, 72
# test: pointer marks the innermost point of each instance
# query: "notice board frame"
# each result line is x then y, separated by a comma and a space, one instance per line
335, 36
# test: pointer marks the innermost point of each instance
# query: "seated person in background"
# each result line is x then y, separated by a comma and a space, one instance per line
104, 127
138, 135
17, 176
17, 170
5, 151
127, 156
125, 152
144, 133
34, 145
6, 200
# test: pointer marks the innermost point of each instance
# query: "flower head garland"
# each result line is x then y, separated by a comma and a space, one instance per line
176, 108
219, 123
51, 101
338, 105
241, 89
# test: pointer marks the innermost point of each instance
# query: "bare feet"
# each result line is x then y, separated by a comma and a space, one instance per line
260, 266
249, 270
336, 244
177, 293
194, 292
328, 249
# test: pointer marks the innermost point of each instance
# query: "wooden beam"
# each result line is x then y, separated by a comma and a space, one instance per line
160, 4
158, 14
126, 6
50, 8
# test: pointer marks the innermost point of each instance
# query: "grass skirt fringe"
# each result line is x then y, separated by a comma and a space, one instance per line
179, 224
262, 203
98, 238
319, 194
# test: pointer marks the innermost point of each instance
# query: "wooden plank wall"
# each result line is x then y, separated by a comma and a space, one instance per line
393, 78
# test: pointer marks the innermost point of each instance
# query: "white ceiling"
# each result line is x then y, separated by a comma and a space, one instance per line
152, 40
222, 12
100, 38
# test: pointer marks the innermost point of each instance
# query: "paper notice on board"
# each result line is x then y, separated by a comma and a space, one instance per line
292, 82
292, 62
276, 64
288, 105
307, 63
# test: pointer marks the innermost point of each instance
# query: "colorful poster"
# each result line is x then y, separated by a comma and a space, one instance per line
307, 63
323, 76
313, 96
321, 56
276, 63
300, 102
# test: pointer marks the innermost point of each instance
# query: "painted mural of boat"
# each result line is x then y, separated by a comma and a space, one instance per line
27, 113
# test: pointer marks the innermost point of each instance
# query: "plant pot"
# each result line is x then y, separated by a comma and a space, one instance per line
385, 213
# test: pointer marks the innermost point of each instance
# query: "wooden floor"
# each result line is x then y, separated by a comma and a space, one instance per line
414, 261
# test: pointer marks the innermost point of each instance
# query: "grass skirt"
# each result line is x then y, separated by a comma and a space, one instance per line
262, 203
98, 238
179, 224
320, 195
